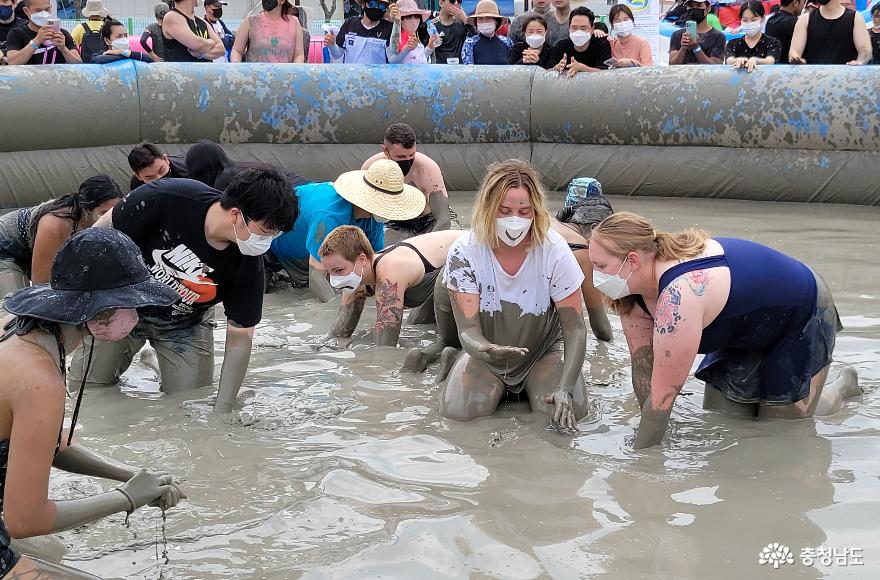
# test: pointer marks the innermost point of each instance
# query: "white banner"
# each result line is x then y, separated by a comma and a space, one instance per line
647, 13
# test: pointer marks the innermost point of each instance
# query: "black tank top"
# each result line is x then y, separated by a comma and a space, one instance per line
177, 52
830, 41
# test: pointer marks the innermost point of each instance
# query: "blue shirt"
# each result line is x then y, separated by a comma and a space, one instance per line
321, 210
481, 49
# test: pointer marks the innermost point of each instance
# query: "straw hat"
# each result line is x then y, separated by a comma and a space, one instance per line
95, 8
380, 190
409, 7
486, 9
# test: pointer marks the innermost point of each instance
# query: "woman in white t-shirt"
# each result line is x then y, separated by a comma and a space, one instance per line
514, 288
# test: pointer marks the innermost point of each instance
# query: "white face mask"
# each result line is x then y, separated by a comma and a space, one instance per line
348, 283
612, 286
486, 28
120, 44
579, 37
40, 18
750, 28
410, 25
254, 245
535, 40
512, 230
625, 28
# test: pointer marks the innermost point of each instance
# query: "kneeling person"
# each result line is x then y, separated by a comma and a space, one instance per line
514, 288
208, 246
402, 275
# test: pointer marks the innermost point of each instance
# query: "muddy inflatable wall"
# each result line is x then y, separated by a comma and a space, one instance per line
808, 134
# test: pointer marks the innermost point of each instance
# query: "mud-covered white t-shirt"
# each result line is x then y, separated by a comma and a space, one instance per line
516, 310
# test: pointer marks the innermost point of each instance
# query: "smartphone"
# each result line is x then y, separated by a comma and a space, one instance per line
54, 24
691, 27
611, 62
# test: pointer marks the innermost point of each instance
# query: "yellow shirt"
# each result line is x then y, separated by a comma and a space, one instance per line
78, 30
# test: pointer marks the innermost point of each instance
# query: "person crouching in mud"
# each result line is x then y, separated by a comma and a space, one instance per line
514, 290
765, 321
584, 207
401, 276
97, 281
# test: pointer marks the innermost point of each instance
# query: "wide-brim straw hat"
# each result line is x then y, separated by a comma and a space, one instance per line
486, 9
95, 8
381, 191
409, 7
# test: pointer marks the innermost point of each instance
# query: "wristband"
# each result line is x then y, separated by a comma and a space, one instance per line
697, 50
126, 53
34, 45
128, 497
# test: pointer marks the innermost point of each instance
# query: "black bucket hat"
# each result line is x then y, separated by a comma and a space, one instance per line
97, 269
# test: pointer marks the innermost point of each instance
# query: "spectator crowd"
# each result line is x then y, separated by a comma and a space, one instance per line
551, 35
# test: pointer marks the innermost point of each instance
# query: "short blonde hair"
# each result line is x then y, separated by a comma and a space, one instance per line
348, 242
499, 179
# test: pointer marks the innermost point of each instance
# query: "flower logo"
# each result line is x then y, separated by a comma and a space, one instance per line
775, 554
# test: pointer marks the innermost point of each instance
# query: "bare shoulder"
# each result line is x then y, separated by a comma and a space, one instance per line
55, 225
31, 379
372, 160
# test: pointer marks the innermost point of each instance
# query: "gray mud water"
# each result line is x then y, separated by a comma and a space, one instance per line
338, 467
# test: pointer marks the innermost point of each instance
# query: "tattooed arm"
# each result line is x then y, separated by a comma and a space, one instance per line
678, 327
350, 309
389, 311
638, 328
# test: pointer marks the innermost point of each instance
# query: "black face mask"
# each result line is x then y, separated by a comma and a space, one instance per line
822, 2
218, 12
374, 14
405, 165
270, 5
695, 14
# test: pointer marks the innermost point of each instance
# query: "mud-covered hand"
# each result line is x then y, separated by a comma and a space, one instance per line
171, 497
563, 419
500, 354
145, 487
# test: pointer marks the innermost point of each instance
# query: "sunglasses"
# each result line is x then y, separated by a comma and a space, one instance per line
379, 5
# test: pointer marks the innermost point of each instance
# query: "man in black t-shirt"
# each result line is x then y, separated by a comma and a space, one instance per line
365, 39
707, 48
150, 164
8, 21
39, 42
453, 24
207, 246
581, 51
781, 25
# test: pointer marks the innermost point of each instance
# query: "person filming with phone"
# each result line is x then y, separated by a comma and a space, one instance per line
697, 42
42, 41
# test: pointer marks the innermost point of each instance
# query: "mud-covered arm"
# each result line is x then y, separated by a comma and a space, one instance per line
438, 199
389, 311
574, 335
350, 309
236, 357
82, 460
638, 328
599, 322
677, 332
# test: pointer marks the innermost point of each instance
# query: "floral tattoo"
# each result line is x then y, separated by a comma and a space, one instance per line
389, 309
668, 314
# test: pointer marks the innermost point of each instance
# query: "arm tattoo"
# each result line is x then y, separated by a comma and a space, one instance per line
389, 309
642, 371
698, 280
667, 316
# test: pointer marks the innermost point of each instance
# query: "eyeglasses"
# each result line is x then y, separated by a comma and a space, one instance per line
246, 220
376, 4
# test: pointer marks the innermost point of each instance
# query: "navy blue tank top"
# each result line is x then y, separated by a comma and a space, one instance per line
769, 292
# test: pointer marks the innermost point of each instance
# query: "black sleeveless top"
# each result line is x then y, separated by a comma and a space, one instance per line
830, 41
415, 295
177, 52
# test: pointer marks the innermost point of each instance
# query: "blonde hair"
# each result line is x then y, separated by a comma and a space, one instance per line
625, 232
348, 242
499, 179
